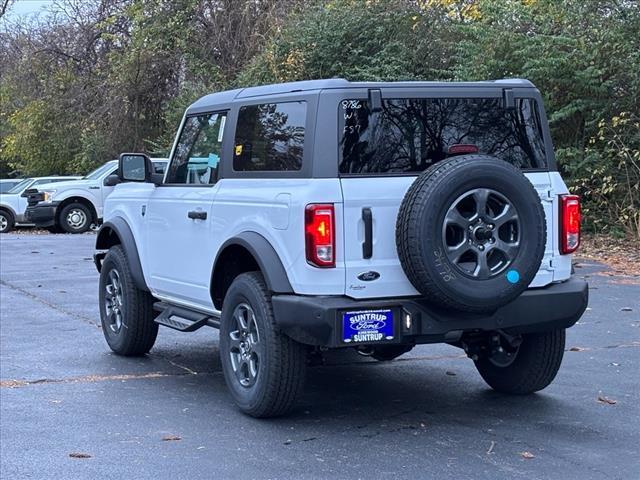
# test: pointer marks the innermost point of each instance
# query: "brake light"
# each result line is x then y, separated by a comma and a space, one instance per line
569, 223
319, 226
459, 148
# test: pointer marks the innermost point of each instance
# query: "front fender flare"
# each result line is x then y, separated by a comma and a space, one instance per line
117, 232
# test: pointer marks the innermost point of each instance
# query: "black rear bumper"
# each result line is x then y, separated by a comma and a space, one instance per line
42, 215
318, 320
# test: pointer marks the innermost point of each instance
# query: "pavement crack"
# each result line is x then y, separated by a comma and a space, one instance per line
87, 379
49, 304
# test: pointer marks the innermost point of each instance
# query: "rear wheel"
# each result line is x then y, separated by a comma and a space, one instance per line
75, 218
527, 369
126, 312
7, 222
263, 368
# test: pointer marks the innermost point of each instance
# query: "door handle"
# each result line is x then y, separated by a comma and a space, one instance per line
367, 245
197, 215
94, 188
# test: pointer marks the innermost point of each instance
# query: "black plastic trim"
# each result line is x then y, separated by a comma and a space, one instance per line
367, 245
317, 321
42, 215
125, 238
266, 257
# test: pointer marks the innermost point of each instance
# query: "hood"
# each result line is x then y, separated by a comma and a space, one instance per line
66, 184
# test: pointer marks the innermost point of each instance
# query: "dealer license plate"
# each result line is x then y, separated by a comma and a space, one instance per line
367, 326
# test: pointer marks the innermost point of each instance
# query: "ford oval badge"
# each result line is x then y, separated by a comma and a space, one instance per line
368, 276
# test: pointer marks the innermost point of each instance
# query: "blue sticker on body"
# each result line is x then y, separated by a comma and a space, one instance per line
367, 326
513, 276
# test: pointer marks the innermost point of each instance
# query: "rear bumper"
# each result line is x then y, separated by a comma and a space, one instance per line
42, 215
318, 320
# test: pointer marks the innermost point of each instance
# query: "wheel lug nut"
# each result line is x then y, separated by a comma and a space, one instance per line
481, 247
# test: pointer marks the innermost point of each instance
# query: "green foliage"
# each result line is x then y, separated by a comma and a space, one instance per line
106, 76
373, 40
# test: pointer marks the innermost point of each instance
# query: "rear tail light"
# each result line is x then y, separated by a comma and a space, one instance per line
319, 227
569, 223
460, 148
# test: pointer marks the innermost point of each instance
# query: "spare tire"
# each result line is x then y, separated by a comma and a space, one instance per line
471, 233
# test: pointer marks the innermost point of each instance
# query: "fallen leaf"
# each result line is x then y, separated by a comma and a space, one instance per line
607, 400
490, 451
79, 455
171, 438
527, 455
287, 442
626, 309
577, 349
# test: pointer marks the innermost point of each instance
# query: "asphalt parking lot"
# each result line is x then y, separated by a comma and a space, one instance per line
168, 415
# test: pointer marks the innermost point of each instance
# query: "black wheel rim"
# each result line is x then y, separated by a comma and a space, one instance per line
114, 301
245, 349
504, 357
481, 233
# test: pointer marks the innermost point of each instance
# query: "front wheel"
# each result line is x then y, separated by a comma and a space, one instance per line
126, 312
263, 368
75, 218
7, 221
531, 367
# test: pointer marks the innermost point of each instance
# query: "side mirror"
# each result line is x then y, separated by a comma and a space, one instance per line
112, 180
135, 167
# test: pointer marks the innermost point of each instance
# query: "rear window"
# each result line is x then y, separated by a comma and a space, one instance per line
270, 137
410, 134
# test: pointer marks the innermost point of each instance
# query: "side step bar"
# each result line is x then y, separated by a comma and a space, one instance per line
183, 319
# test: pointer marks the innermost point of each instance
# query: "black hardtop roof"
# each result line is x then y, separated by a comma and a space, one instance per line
228, 96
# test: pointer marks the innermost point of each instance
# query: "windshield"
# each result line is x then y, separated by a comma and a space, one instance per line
21, 186
98, 172
410, 134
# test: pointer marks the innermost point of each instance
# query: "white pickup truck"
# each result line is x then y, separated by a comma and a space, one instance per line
74, 206
13, 205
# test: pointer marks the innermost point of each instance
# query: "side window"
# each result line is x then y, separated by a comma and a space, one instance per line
197, 155
270, 137
159, 167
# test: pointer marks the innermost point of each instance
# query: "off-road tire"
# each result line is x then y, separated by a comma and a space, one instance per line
138, 331
8, 223
535, 365
419, 233
70, 228
282, 367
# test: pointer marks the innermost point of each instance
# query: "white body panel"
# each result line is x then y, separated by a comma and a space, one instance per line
383, 196
177, 253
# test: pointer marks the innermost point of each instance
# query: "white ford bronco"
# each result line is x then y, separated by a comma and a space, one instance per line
326, 214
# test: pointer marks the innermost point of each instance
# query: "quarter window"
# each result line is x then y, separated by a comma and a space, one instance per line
270, 137
197, 154
410, 134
